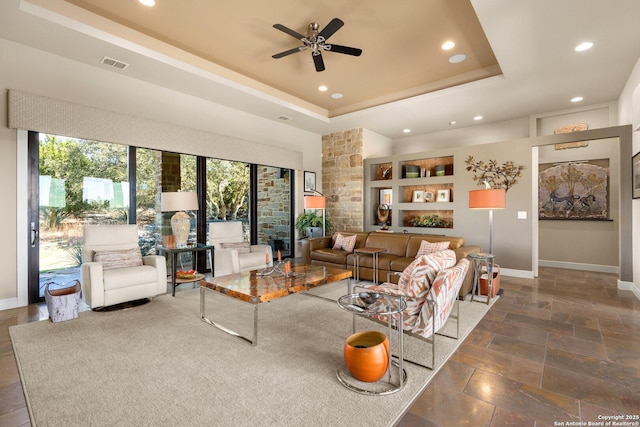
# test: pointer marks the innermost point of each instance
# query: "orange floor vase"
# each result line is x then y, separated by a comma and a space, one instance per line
366, 355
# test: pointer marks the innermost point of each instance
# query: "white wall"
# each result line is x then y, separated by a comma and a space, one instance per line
629, 112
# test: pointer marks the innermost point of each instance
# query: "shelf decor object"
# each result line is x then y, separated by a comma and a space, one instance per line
178, 202
489, 198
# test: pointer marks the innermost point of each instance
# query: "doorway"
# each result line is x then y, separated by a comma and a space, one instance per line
621, 137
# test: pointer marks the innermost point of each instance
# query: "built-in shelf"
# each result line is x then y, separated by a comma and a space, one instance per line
395, 198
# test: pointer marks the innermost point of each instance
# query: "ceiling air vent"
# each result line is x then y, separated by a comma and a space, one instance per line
114, 63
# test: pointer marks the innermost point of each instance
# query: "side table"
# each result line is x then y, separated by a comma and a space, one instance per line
193, 248
385, 305
367, 251
482, 262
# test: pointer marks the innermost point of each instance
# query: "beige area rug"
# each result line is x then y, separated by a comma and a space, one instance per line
160, 365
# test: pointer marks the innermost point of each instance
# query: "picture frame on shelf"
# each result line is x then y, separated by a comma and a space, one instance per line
635, 163
428, 196
443, 195
386, 195
309, 181
418, 196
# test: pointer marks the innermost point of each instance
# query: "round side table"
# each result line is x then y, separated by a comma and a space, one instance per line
385, 305
482, 262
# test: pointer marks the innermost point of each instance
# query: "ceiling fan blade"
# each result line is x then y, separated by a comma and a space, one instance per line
318, 61
331, 28
345, 49
288, 52
289, 31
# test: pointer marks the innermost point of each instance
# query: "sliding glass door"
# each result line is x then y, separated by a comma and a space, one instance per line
74, 182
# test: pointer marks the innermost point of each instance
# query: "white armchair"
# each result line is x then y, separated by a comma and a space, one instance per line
113, 270
232, 253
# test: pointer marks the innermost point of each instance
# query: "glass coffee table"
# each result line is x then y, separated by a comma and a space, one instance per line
391, 307
258, 286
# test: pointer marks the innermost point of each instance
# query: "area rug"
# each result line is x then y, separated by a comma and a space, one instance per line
159, 364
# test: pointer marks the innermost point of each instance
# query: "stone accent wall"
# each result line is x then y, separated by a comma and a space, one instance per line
274, 218
342, 179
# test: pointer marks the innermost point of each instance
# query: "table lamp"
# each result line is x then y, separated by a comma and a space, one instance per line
179, 202
489, 198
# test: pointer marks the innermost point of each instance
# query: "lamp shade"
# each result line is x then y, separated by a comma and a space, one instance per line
491, 198
178, 201
315, 202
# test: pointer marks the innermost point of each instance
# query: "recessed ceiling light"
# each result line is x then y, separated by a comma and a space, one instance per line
452, 122
577, 99
448, 45
148, 2
336, 95
322, 88
457, 58
476, 118
406, 130
584, 46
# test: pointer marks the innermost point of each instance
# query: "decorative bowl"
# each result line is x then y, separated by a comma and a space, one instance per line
369, 297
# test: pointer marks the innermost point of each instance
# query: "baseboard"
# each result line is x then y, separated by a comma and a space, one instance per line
629, 286
6, 304
578, 266
523, 274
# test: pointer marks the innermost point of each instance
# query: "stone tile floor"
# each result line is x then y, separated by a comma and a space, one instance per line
562, 348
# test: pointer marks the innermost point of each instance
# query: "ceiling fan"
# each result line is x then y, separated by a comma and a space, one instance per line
316, 42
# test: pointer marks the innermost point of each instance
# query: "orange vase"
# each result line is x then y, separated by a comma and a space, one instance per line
367, 355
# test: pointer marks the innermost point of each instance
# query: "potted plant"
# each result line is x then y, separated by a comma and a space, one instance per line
309, 224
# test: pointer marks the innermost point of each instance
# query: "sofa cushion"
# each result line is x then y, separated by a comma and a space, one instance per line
346, 243
427, 247
331, 256
394, 244
118, 259
241, 247
416, 239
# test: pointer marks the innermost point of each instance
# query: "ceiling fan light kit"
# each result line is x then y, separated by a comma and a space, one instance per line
316, 41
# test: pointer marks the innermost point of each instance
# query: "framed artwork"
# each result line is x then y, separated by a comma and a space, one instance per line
309, 181
385, 196
443, 196
575, 190
418, 196
636, 176
428, 196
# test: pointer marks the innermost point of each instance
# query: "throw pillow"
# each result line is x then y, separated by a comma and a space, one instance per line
118, 259
241, 247
427, 248
346, 243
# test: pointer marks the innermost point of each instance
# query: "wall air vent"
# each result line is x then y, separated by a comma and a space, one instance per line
114, 63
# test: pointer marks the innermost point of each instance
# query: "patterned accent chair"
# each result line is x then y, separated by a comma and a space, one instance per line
430, 286
113, 270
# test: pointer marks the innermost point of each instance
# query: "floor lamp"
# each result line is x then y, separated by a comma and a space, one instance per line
317, 202
489, 198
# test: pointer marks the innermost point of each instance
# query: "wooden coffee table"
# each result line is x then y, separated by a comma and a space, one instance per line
252, 288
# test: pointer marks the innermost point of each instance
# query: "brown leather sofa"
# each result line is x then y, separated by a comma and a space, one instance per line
400, 251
